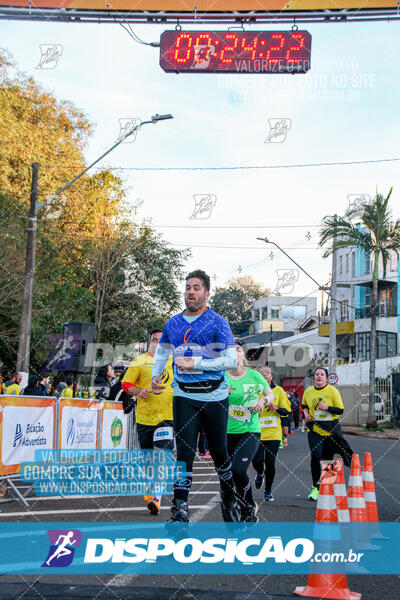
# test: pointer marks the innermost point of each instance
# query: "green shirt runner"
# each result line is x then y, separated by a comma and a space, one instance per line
244, 393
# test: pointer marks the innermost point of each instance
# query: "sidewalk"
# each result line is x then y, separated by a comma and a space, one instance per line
386, 434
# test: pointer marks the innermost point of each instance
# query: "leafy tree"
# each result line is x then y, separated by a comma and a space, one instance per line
371, 229
235, 301
94, 261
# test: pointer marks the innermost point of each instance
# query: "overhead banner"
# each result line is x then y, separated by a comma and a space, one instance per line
212, 6
114, 427
78, 423
26, 424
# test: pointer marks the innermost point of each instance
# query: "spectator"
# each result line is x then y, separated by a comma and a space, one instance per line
12, 387
102, 382
60, 388
45, 383
68, 391
33, 388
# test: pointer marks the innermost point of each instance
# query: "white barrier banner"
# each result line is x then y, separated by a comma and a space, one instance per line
114, 430
24, 430
78, 425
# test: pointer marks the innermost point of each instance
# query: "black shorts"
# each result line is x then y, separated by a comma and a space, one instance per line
156, 436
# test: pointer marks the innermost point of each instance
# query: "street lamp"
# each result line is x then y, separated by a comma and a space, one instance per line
24, 338
331, 293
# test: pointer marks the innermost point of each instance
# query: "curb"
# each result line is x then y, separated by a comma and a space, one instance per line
378, 435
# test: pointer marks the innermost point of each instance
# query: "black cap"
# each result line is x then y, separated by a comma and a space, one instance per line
119, 367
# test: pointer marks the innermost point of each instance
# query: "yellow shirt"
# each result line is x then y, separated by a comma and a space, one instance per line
331, 396
156, 407
13, 390
270, 420
67, 393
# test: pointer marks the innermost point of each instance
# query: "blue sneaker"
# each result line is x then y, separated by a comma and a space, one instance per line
268, 497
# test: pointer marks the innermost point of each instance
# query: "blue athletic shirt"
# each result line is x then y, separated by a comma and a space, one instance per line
208, 339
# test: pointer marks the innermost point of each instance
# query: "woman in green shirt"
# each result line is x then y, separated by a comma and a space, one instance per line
248, 394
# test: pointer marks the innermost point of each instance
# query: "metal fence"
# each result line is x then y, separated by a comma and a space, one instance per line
356, 399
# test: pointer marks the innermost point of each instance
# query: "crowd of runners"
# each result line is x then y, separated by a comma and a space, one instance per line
194, 379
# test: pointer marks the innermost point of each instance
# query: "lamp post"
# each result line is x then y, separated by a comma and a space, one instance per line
24, 340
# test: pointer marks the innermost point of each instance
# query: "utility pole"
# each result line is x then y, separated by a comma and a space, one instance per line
25, 325
332, 312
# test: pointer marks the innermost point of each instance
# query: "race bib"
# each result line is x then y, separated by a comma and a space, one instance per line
323, 415
269, 421
239, 413
190, 372
163, 433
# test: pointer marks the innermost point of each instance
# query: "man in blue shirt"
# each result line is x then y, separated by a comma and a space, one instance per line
203, 348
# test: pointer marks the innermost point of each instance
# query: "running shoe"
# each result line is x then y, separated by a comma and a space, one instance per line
153, 505
296, 429
314, 494
179, 511
205, 455
229, 506
251, 513
268, 497
258, 481
291, 433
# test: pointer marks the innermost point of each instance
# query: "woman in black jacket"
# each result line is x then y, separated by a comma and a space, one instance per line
102, 382
33, 388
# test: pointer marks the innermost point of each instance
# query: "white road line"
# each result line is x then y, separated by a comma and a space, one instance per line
203, 510
28, 513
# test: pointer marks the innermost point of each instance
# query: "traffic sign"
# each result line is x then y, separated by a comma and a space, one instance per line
333, 378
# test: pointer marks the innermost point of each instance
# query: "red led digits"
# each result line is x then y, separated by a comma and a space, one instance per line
251, 49
180, 47
300, 45
235, 52
229, 36
281, 38
200, 55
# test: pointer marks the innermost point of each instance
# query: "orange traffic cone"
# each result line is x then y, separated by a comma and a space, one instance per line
370, 497
357, 507
327, 586
339, 487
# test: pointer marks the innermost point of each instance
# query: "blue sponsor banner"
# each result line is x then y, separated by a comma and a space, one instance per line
201, 548
102, 472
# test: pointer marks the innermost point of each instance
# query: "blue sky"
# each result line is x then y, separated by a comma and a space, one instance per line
344, 109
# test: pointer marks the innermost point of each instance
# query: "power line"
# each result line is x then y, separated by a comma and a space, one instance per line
233, 226
249, 167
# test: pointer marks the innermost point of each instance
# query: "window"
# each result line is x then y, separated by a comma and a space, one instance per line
347, 262
353, 264
386, 345
392, 262
344, 310
275, 312
340, 265
264, 312
294, 312
367, 264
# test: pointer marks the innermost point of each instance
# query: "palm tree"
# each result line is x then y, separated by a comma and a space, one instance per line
371, 229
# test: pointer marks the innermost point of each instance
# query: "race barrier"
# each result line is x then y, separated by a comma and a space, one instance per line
32, 423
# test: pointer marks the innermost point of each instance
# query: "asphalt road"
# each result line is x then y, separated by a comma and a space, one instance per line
291, 487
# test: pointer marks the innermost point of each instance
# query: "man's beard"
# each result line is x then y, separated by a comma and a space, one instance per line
193, 305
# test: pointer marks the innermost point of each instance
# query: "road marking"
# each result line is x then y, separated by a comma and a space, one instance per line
28, 513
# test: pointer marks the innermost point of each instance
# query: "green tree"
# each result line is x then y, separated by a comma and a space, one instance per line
235, 301
372, 229
94, 261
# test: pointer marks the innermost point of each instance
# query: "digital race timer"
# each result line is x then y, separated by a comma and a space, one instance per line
235, 52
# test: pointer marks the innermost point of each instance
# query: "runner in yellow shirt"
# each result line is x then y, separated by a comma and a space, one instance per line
271, 435
154, 417
322, 405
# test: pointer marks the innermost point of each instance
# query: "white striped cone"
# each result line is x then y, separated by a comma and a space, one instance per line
340, 492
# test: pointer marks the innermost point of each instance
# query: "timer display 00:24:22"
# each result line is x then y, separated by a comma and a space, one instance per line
242, 52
